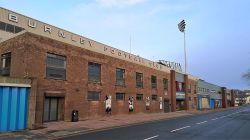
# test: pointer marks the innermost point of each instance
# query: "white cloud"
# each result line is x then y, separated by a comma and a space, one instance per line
112, 3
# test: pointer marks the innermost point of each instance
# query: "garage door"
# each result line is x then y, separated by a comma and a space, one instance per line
13, 108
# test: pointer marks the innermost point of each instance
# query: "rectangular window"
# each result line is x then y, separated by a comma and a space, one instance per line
94, 72
139, 97
154, 97
120, 96
139, 79
189, 88
165, 84
18, 29
120, 77
93, 96
10, 28
56, 66
6, 62
195, 89
2, 26
153, 81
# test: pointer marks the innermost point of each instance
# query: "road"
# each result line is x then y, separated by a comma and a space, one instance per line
226, 125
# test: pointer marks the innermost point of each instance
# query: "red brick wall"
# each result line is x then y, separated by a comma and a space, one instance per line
29, 53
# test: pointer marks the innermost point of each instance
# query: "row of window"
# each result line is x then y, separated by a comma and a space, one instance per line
56, 69
10, 28
96, 96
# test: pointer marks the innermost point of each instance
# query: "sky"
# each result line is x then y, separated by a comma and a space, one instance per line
217, 31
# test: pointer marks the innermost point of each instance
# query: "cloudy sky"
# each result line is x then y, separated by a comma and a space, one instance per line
217, 31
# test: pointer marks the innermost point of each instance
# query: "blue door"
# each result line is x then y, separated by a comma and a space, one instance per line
13, 108
212, 103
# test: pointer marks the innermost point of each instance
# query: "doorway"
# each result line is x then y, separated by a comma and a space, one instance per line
166, 106
50, 109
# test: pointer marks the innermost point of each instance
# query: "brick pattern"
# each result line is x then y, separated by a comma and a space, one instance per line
29, 53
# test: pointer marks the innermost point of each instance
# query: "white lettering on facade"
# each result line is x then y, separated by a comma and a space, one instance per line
105, 48
61, 34
31, 23
91, 43
82, 41
71, 37
171, 65
47, 29
13, 18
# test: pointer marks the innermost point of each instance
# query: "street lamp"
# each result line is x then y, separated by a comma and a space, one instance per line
181, 27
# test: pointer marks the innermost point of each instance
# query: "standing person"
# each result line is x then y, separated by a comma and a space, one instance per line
130, 104
108, 104
147, 103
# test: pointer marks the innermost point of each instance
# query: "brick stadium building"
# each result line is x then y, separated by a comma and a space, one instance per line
71, 72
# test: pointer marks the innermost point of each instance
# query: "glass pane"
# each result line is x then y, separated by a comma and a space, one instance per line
56, 73
94, 72
18, 29
46, 110
53, 109
10, 28
2, 26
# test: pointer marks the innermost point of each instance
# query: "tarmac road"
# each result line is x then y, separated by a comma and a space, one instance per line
231, 124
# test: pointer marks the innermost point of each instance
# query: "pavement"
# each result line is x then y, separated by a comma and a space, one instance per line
228, 124
55, 130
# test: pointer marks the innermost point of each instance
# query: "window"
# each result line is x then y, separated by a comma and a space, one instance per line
139, 97
165, 84
195, 89
154, 97
2, 26
139, 79
189, 88
120, 96
10, 28
94, 72
6, 62
190, 98
56, 66
93, 96
18, 29
120, 77
153, 81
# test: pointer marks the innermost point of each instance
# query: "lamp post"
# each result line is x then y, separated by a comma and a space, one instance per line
181, 27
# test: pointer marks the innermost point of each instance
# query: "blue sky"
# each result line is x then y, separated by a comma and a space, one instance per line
217, 31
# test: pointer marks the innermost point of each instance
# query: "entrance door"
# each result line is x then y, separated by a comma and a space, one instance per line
166, 106
50, 109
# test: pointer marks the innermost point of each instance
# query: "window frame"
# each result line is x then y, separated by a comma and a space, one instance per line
50, 67
5, 64
93, 96
120, 81
165, 85
139, 83
153, 85
94, 77
137, 95
154, 97
120, 93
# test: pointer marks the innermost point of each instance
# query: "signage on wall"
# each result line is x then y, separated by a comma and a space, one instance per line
180, 95
51, 30
179, 86
171, 65
33, 24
